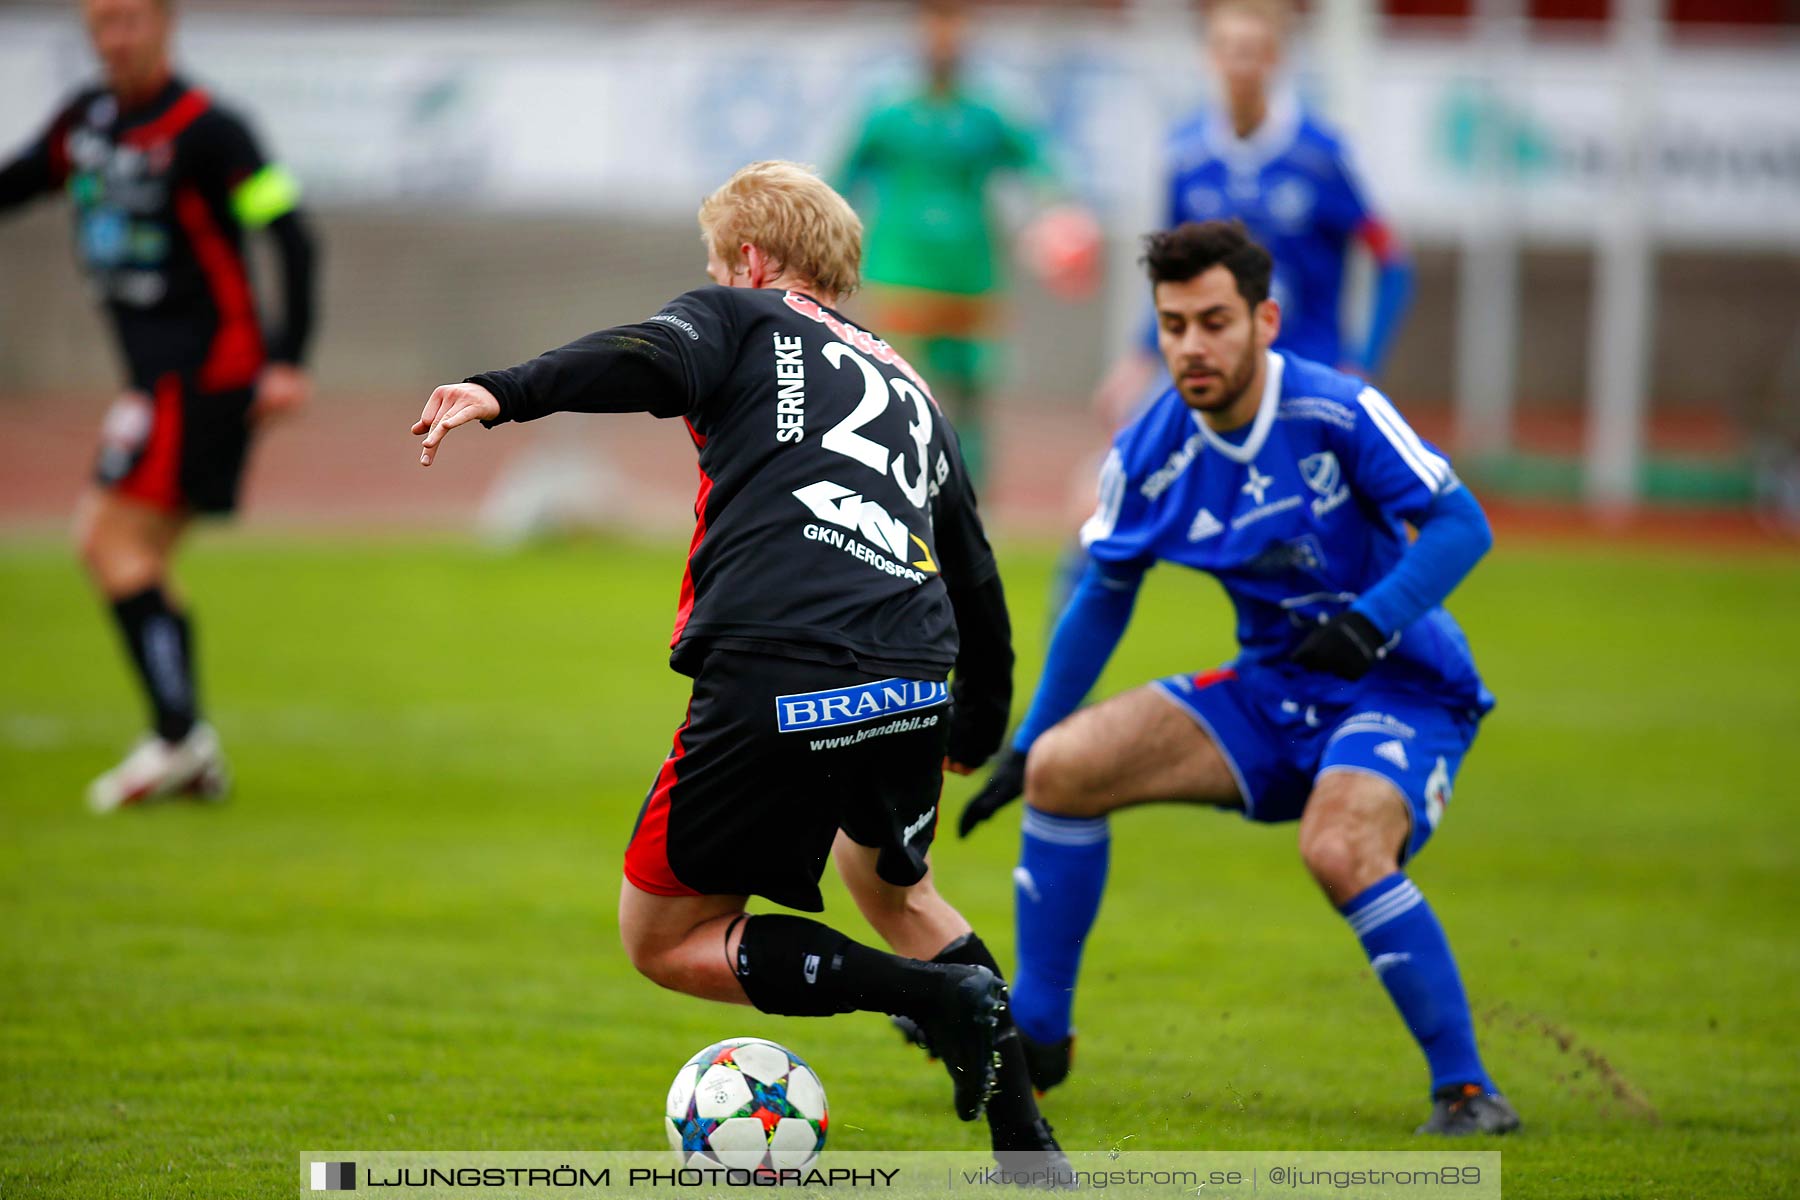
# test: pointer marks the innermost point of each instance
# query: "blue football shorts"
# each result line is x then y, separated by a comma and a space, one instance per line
1278, 741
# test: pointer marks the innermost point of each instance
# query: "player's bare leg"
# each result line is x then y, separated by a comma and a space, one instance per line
915, 921
125, 544
127, 547
687, 944
1136, 748
707, 946
1352, 834
918, 922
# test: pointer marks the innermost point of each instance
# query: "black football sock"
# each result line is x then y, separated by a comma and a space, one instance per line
160, 640
795, 967
1012, 1109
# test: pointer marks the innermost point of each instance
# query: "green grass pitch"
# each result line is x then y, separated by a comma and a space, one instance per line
399, 935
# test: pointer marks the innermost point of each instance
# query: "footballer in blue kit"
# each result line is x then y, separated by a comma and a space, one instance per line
1261, 157
1353, 697
1292, 185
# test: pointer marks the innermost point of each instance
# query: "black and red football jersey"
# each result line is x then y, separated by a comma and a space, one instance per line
833, 507
161, 194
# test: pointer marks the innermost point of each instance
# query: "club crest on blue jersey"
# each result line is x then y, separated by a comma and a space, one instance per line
1325, 476
863, 702
1321, 472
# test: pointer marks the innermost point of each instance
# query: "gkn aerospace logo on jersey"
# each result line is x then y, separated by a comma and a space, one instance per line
879, 538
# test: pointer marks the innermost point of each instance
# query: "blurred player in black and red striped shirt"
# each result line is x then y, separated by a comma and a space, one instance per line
164, 184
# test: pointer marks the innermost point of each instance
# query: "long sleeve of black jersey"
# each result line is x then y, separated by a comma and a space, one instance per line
629, 368
25, 177
668, 366
295, 247
964, 556
262, 195
982, 689
42, 166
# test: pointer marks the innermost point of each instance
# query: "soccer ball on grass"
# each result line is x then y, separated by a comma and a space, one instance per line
749, 1104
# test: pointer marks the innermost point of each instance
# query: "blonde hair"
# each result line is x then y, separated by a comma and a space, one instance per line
785, 210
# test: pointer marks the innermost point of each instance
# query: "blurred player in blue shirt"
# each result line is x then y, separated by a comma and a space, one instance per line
1260, 158
1353, 698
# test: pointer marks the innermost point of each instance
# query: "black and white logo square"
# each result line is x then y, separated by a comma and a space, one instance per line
334, 1177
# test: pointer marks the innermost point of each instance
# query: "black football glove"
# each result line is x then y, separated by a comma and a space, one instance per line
1006, 784
977, 727
1346, 646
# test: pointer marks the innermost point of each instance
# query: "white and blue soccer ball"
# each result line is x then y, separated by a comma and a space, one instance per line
749, 1104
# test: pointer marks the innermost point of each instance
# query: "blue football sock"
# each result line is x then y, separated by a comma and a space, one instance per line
1057, 888
1407, 948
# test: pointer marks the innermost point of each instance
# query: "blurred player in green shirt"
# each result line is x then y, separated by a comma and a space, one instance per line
920, 170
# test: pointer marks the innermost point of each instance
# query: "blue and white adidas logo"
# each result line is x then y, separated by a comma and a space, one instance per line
1205, 525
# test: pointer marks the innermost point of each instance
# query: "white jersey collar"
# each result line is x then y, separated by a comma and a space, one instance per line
1268, 141
1265, 416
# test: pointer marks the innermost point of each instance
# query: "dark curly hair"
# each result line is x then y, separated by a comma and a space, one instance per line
1177, 255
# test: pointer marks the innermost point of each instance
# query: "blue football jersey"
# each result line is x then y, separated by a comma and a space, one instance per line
1297, 515
1290, 183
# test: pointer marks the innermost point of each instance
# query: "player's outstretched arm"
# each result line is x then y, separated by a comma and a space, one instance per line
449, 406
25, 178
43, 166
647, 367
631, 368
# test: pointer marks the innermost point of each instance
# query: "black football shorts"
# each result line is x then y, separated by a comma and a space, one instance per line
177, 447
775, 757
